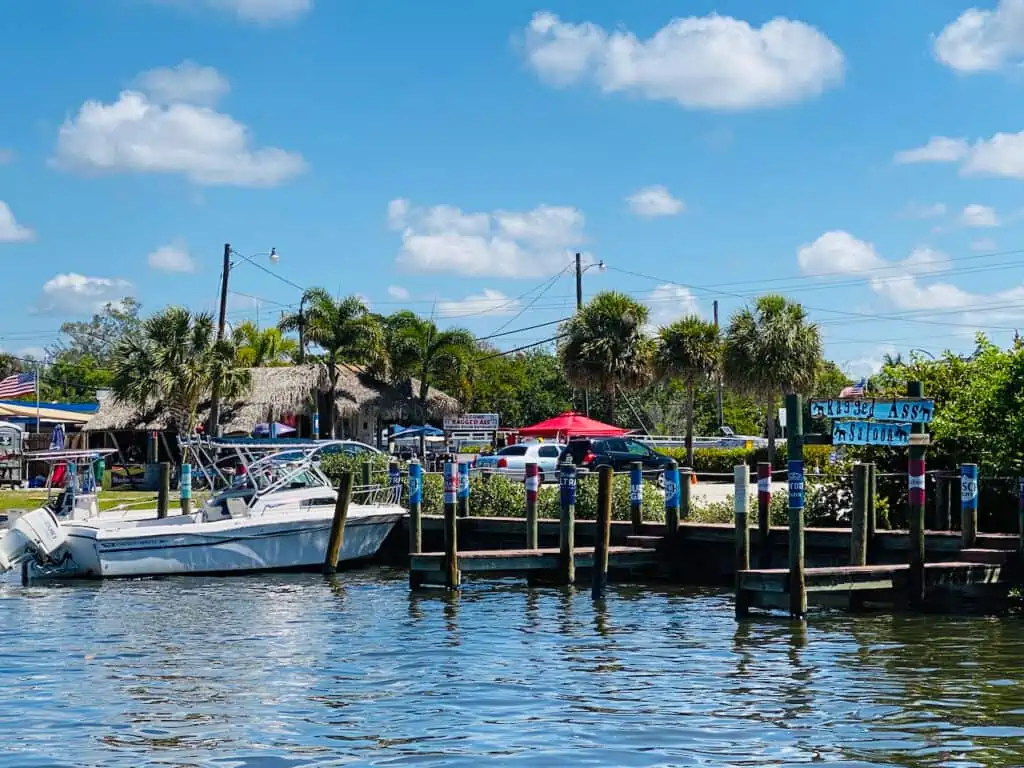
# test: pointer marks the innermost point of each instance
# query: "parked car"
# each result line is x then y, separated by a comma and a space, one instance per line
617, 452
511, 461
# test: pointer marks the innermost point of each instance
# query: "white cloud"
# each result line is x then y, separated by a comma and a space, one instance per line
984, 245
868, 365
398, 292
1002, 155
983, 40
6, 155
495, 244
72, 293
707, 62
259, 11
10, 230
918, 211
939, 149
187, 83
654, 201
900, 284
668, 303
171, 258
488, 302
975, 215
138, 135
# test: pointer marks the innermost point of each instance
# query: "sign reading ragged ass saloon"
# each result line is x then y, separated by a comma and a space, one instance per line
911, 410
471, 422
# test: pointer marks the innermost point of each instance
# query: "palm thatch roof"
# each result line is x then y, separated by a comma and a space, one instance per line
277, 391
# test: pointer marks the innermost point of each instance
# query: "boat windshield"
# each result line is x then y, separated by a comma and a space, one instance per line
278, 473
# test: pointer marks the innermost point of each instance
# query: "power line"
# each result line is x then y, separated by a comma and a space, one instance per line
520, 330
522, 348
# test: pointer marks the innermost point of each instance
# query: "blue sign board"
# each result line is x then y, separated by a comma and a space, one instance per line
463, 480
913, 410
672, 488
871, 433
796, 484
185, 484
636, 485
415, 483
567, 484
968, 486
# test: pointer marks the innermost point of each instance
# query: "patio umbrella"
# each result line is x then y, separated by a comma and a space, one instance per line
570, 424
277, 429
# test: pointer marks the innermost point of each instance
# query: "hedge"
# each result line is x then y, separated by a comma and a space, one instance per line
722, 460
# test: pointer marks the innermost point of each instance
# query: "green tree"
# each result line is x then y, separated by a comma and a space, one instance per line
771, 350
417, 349
690, 351
344, 329
262, 347
173, 362
524, 387
604, 347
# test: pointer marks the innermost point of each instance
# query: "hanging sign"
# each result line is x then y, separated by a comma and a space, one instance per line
796, 484
567, 483
913, 410
870, 433
471, 422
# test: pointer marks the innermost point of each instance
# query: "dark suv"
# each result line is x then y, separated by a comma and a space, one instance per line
618, 452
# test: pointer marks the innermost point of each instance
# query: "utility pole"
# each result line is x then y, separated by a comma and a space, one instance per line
302, 330
213, 426
579, 306
721, 412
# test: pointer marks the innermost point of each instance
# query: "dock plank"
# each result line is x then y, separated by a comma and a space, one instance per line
513, 560
869, 577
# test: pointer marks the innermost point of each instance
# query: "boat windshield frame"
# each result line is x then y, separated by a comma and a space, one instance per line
276, 471
82, 460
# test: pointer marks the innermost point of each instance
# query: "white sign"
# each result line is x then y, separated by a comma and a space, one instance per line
782, 417
471, 422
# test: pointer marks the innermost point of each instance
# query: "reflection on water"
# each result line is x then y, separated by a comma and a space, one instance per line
302, 671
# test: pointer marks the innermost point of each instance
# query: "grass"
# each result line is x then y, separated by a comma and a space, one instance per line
107, 499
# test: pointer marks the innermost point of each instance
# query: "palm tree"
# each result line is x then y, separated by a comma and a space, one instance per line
770, 350
416, 349
604, 346
259, 348
690, 351
343, 328
174, 361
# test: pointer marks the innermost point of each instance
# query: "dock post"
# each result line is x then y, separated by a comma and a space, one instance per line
636, 496
462, 500
567, 524
795, 476
395, 481
672, 494
532, 482
764, 505
337, 536
969, 504
185, 489
163, 494
365, 478
872, 511
451, 545
604, 532
741, 489
415, 518
859, 516
942, 516
915, 486
1020, 515
685, 483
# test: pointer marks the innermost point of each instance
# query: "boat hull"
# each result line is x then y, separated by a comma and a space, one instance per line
262, 544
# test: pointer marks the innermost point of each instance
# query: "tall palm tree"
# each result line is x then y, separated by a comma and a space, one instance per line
260, 348
343, 328
416, 349
771, 350
690, 351
604, 346
174, 361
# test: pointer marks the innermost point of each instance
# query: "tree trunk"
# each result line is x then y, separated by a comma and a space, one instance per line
612, 396
332, 376
690, 395
770, 430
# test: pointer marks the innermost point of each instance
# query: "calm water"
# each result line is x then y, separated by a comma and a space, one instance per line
297, 671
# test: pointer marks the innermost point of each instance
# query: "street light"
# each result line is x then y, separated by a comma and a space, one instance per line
923, 352
580, 269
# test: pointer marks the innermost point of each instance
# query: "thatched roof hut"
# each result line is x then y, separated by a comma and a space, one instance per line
283, 390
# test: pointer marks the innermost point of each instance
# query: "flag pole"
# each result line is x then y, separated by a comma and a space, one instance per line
38, 427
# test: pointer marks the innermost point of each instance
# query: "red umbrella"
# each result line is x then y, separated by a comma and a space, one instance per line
570, 424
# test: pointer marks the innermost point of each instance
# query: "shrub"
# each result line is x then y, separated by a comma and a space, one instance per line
722, 460
335, 463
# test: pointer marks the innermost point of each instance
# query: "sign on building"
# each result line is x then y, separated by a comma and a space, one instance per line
472, 422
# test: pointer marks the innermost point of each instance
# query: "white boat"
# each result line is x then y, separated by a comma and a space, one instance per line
275, 516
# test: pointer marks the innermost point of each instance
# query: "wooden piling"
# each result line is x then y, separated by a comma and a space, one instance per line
872, 508
636, 496
366, 477
451, 545
567, 524
943, 521
415, 507
337, 535
795, 475
741, 490
916, 497
532, 482
163, 494
764, 505
969, 504
685, 483
672, 494
462, 495
859, 516
604, 532
185, 489
1020, 515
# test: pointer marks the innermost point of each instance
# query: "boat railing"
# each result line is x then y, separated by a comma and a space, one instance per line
377, 494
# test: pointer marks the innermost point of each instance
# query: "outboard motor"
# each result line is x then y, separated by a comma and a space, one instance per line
36, 533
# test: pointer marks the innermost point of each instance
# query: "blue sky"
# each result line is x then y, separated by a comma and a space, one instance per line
865, 159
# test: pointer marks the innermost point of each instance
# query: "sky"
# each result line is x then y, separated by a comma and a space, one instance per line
865, 159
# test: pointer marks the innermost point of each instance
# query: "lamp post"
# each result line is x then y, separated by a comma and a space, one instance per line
214, 422
580, 269
923, 352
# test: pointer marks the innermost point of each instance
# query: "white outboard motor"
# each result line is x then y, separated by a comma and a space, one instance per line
35, 532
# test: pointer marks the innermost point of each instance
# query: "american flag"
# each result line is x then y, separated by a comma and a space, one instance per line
18, 384
854, 390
